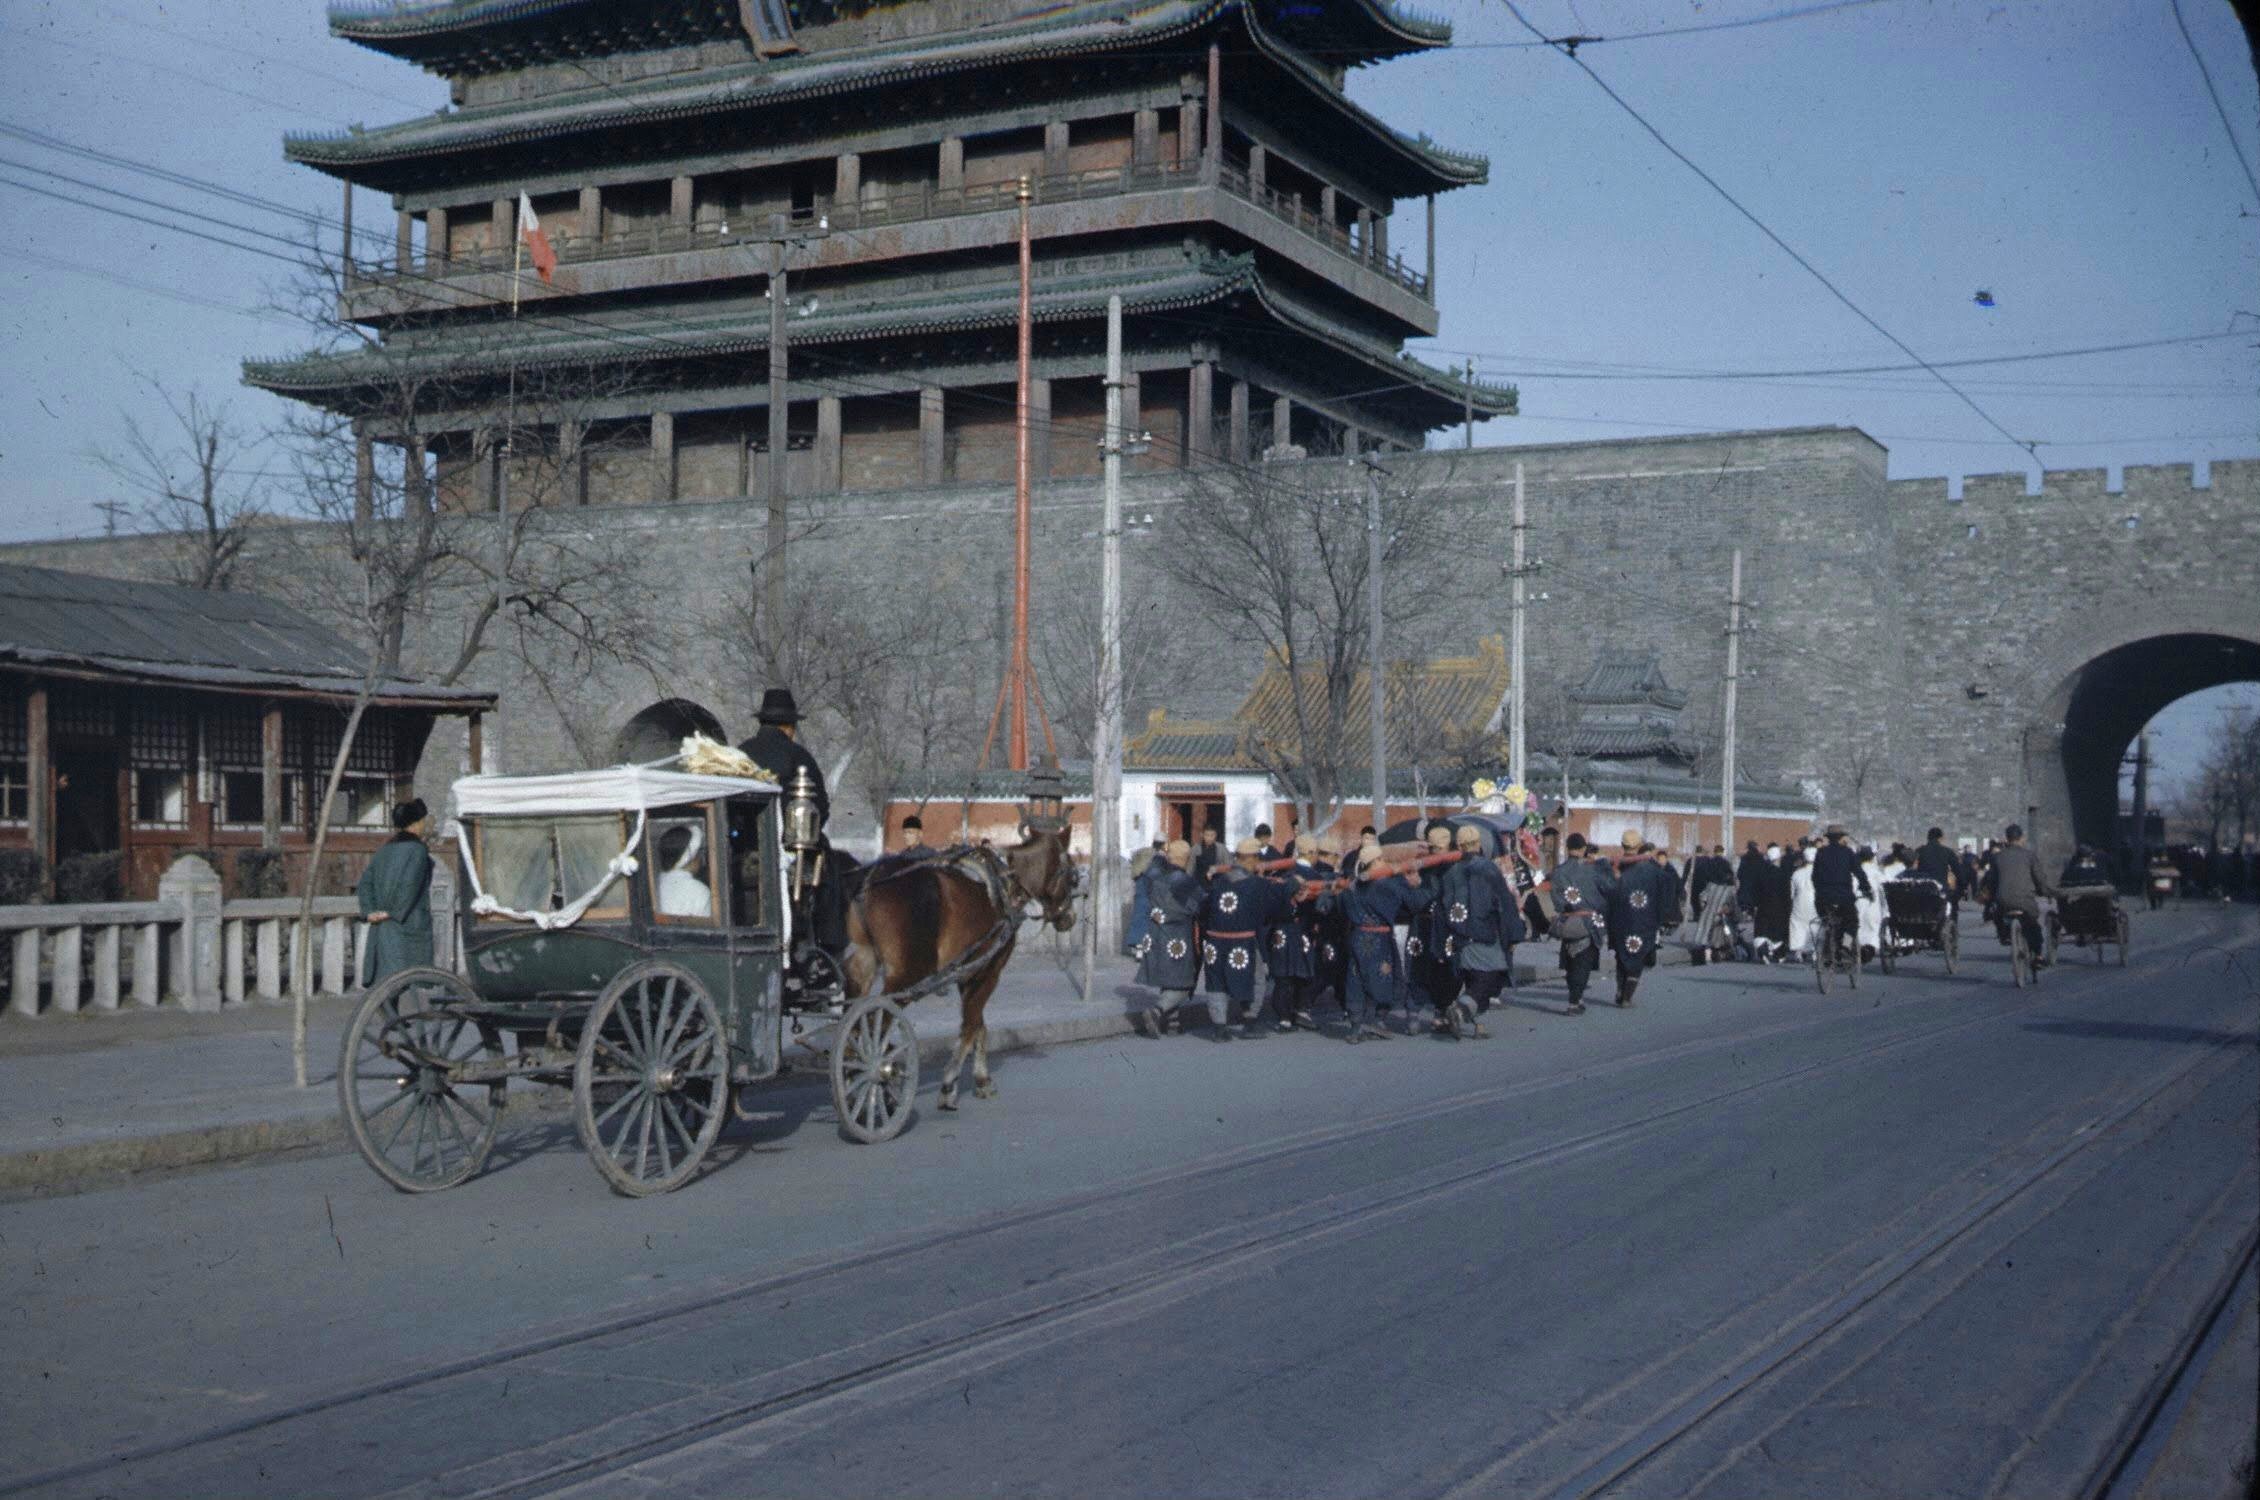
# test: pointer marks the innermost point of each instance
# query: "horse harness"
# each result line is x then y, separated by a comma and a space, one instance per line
985, 868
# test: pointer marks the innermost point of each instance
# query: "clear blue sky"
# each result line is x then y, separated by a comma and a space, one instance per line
2061, 155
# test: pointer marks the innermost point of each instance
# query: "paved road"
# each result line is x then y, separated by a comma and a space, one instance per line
1935, 1237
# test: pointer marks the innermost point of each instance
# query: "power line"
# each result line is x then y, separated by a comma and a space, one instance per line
1630, 372
1574, 42
76, 268
145, 219
1763, 228
2214, 94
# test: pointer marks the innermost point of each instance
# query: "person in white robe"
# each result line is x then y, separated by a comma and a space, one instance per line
1803, 914
1871, 906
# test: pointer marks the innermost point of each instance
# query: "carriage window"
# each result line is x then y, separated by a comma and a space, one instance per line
543, 864
682, 867
748, 865
515, 865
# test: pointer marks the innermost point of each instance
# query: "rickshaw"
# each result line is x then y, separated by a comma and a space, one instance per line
2089, 916
634, 934
1917, 918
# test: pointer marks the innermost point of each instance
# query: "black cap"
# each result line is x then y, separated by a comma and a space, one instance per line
913, 822
777, 707
407, 814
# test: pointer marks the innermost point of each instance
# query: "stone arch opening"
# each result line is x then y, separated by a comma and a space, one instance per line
659, 730
2105, 704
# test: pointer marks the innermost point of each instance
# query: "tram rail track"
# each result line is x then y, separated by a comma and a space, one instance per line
985, 1333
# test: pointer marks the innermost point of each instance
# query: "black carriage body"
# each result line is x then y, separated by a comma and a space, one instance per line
539, 985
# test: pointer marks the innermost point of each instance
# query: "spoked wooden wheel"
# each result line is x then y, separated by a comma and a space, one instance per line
651, 1083
399, 1081
2122, 929
874, 1071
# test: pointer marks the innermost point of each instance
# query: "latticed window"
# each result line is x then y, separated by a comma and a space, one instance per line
233, 750
365, 792
15, 798
161, 747
82, 713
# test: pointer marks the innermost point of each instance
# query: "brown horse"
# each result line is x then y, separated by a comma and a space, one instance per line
912, 919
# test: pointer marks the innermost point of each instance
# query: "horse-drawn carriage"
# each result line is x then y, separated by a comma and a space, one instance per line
635, 934
2088, 916
1917, 918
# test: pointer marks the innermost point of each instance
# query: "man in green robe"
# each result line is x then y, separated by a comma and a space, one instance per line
396, 898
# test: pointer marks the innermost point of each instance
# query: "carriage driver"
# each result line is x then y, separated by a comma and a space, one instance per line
778, 751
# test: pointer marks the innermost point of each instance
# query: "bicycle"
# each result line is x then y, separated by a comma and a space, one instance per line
2021, 966
1830, 952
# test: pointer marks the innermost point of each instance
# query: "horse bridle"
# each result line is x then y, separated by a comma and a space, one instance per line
1064, 878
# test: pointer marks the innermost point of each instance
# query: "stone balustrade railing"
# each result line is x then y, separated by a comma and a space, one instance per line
189, 947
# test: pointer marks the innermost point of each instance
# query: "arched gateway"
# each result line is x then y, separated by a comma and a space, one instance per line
2090, 698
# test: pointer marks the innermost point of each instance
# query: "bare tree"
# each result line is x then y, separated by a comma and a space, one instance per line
419, 580
1277, 557
194, 476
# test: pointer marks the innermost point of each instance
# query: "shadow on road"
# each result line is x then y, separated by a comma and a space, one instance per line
2140, 1031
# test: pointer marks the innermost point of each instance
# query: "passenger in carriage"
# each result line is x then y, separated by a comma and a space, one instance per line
682, 859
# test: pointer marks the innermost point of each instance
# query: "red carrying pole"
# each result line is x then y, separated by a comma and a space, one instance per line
1017, 744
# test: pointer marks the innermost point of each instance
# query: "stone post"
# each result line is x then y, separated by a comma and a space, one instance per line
404, 242
592, 214
444, 916
950, 177
847, 180
1055, 148
1258, 161
1239, 419
193, 886
679, 203
1282, 422
1145, 138
505, 230
435, 238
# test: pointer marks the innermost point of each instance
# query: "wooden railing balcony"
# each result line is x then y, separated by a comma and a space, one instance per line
904, 206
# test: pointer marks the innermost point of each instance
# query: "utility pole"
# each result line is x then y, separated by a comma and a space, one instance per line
2142, 808
1733, 679
1106, 740
1377, 696
780, 440
1517, 713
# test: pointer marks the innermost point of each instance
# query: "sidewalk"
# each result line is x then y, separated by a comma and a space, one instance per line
104, 1094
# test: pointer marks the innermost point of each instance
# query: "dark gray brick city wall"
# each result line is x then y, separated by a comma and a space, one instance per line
1875, 611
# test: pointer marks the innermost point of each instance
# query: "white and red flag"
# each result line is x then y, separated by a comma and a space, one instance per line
537, 243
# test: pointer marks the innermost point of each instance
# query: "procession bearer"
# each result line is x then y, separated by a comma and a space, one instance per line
1636, 908
1371, 910
1484, 922
1240, 908
1582, 888
1169, 958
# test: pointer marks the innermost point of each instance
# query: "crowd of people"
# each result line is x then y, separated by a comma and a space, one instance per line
1379, 940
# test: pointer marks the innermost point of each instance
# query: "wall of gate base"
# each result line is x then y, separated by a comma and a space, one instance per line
1898, 658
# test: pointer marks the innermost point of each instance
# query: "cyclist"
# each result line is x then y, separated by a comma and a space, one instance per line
1836, 876
2018, 882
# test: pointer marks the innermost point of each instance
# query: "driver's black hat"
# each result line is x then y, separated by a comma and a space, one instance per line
777, 707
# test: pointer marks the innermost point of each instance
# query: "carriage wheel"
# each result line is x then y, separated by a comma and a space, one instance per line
2123, 929
1886, 941
652, 1080
1952, 946
395, 1081
874, 1071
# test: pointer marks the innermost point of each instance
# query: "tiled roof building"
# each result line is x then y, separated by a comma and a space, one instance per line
1199, 158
